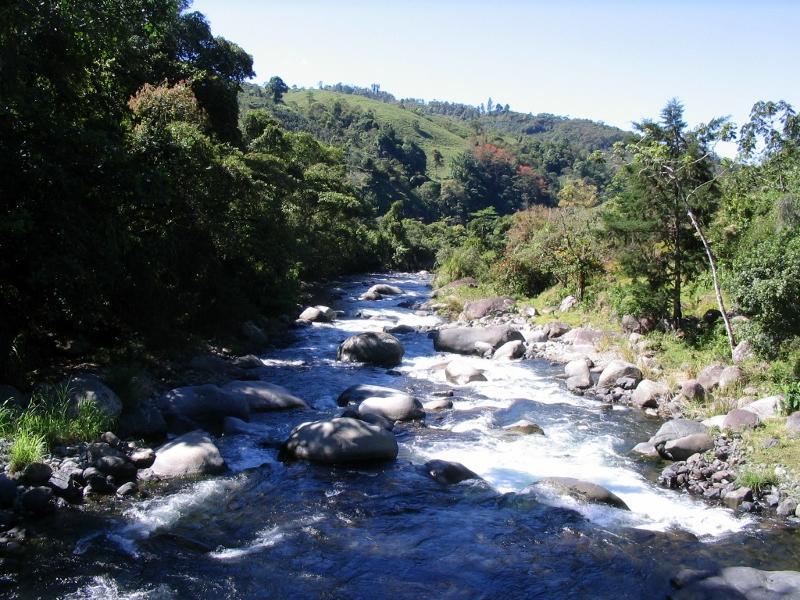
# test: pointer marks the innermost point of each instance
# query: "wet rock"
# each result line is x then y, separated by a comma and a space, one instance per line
556, 330
121, 469
97, 481
341, 440
684, 447
89, 388
787, 508
144, 420
648, 394
461, 340
264, 396
740, 420
736, 583
360, 392
578, 375
438, 404
385, 289
448, 473
461, 372
248, 361
399, 329
143, 458
8, 492
35, 474
734, 498
691, 389
204, 403
581, 490
312, 314
127, 489
524, 427
369, 417
618, 369
234, 426
677, 428
510, 351
398, 407
110, 438
646, 450
377, 348
193, 453
37, 500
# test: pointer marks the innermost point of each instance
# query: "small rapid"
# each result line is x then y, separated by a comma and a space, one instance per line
275, 529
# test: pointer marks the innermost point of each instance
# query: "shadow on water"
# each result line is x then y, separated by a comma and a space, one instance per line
295, 530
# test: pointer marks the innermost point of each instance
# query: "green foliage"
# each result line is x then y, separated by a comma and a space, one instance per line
638, 298
757, 479
26, 448
791, 397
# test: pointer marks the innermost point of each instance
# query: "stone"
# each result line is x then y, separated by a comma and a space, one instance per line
8, 492
736, 583
743, 351
617, 369
584, 491
537, 336
691, 389
734, 498
739, 420
793, 422
127, 489
89, 388
248, 361
578, 375
631, 324
204, 403
438, 404
715, 421
399, 407
234, 426
477, 309
649, 394
729, 377
765, 408
510, 351
524, 427
399, 329
787, 508
96, 481
448, 473
254, 334
677, 428
556, 330
264, 396
582, 336
709, 377
358, 393
145, 420
485, 349
110, 438
11, 395
37, 500
143, 458
567, 303
684, 447
121, 469
646, 450
318, 313
377, 348
385, 289
341, 440
35, 474
461, 372
191, 454
461, 340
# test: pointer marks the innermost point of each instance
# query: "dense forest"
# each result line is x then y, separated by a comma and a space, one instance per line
152, 195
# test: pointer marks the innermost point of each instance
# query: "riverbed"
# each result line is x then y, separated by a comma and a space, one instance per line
296, 530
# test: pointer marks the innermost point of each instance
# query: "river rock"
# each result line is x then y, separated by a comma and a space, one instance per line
683, 447
264, 396
510, 351
617, 369
462, 340
144, 420
65, 485
709, 377
739, 419
524, 427
8, 492
536, 336
341, 440
385, 289
734, 583
323, 314
578, 375
438, 404
89, 388
35, 474
567, 303
793, 422
648, 394
448, 473
787, 507
37, 500
191, 454
127, 489
461, 372
646, 450
765, 408
121, 469
361, 391
691, 389
556, 330
377, 348
399, 329
584, 491
677, 428
734, 498
254, 334
477, 309
143, 458
582, 336
399, 407
204, 403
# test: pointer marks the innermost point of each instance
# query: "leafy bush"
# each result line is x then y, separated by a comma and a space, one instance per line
638, 298
791, 397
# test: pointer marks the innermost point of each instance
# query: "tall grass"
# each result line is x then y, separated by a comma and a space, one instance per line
26, 448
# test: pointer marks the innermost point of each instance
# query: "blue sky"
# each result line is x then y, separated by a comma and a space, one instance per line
612, 61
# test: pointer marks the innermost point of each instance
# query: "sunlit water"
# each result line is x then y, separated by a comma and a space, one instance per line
269, 529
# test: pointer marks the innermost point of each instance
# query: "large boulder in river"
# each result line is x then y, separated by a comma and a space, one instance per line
578, 375
191, 454
649, 393
461, 372
477, 309
677, 428
374, 347
584, 491
462, 339
397, 407
341, 440
736, 583
358, 393
203, 403
378, 291
448, 473
262, 396
617, 369
510, 351
317, 313
683, 447
89, 388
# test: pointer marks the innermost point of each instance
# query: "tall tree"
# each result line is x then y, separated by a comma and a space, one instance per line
276, 88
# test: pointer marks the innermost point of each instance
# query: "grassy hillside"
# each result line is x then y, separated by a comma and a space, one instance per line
435, 132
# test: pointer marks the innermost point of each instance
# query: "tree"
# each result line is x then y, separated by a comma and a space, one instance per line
276, 88
668, 189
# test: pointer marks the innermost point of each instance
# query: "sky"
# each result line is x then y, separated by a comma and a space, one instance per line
612, 61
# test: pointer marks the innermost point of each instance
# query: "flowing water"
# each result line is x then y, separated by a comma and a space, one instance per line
295, 530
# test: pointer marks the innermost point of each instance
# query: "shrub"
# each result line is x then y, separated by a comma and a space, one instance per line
27, 448
638, 298
791, 397
757, 479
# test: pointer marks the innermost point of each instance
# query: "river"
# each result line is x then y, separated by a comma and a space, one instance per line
268, 529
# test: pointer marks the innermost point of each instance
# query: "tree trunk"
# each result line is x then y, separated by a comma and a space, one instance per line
677, 311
